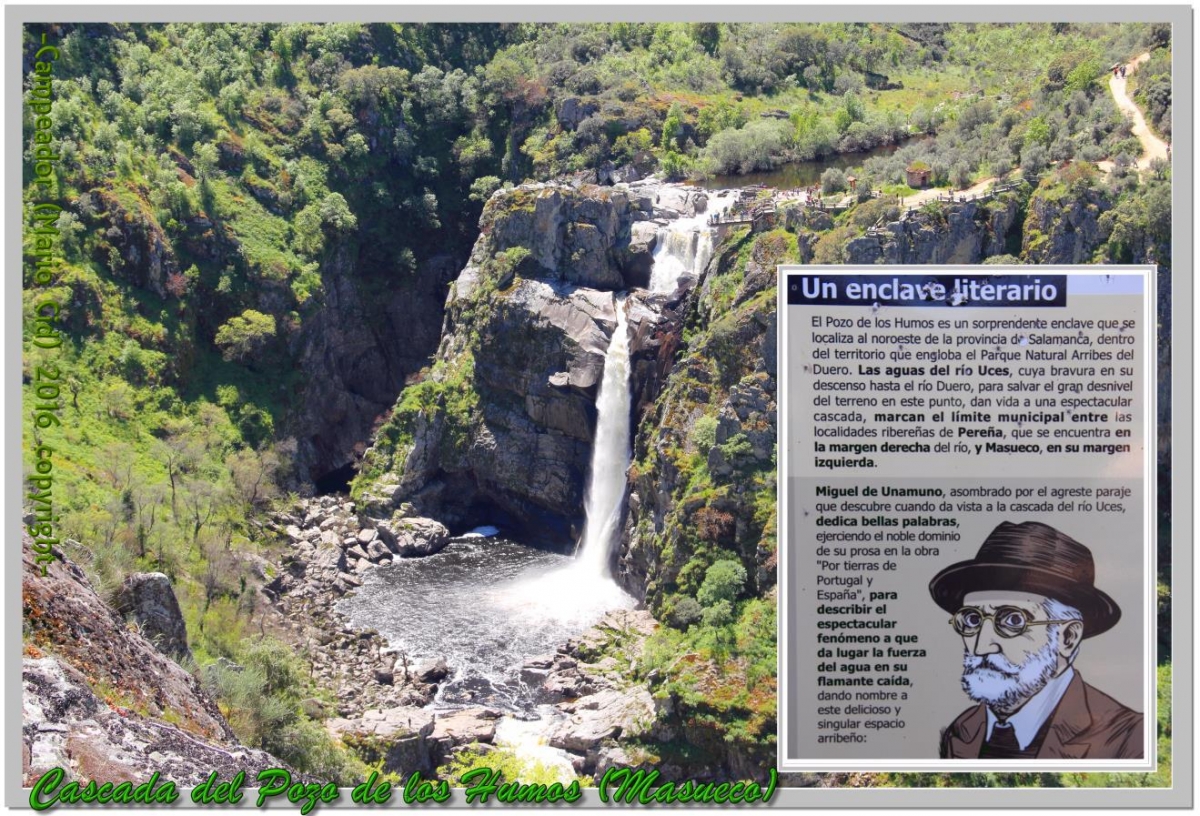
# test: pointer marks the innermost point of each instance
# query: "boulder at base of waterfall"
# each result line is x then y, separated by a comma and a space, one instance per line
432, 671
411, 537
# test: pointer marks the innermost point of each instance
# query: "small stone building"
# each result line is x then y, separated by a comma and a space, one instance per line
918, 175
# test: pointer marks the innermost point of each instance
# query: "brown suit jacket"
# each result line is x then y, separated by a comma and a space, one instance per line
1088, 724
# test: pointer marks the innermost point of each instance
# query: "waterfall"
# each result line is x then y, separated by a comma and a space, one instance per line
610, 453
685, 246
583, 590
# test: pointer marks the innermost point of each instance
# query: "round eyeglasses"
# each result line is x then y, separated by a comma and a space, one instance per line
1008, 621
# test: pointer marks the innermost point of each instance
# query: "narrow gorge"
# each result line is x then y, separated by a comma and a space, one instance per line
563, 321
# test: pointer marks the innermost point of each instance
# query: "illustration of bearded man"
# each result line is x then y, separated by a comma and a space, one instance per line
1023, 606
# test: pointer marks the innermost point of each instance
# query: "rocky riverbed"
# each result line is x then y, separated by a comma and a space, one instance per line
330, 547
584, 700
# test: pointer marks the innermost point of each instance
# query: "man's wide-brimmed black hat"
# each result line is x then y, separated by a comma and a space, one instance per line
1035, 558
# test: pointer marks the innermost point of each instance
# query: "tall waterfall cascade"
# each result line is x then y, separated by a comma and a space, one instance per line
485, 604
610, 453
683, 248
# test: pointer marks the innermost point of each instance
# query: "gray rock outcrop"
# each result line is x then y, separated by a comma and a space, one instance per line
528, 324
1064, 229
64, 616
65, 725
574, 236
960, 233
150, 600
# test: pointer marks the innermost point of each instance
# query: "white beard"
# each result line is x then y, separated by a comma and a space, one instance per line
993, 680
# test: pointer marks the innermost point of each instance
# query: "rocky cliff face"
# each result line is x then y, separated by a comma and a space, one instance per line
702, 482
501, 428
102, 702
963, 233
702, 490
66, 725
1063, 227
355, 351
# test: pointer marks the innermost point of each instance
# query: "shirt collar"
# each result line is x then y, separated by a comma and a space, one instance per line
1032, 716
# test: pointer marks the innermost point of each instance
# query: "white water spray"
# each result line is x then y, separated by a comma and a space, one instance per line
685, 246
583, 591
610, 454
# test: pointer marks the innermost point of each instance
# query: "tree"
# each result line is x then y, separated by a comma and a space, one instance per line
723, 581
336, 216
244, 336
833, 181
672, 127
1038, 132
1034, 160
708, 36
1084, 75
181, 450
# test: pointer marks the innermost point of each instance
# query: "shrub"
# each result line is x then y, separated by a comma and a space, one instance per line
717, 615
757, 146
675, 165
714, 525
723, 581
483, 187
512, 768
833, 181
336, 215
704, 433
244, 336
261, 700
1034, 160
960, 176
684, 612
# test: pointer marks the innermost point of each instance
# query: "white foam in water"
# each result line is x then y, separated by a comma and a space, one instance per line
528, 740
685, 246
487, 531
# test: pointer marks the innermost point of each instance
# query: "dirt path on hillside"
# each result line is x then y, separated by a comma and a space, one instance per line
977, 189
1152, 146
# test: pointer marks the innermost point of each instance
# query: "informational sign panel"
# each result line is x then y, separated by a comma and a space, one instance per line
967, 538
